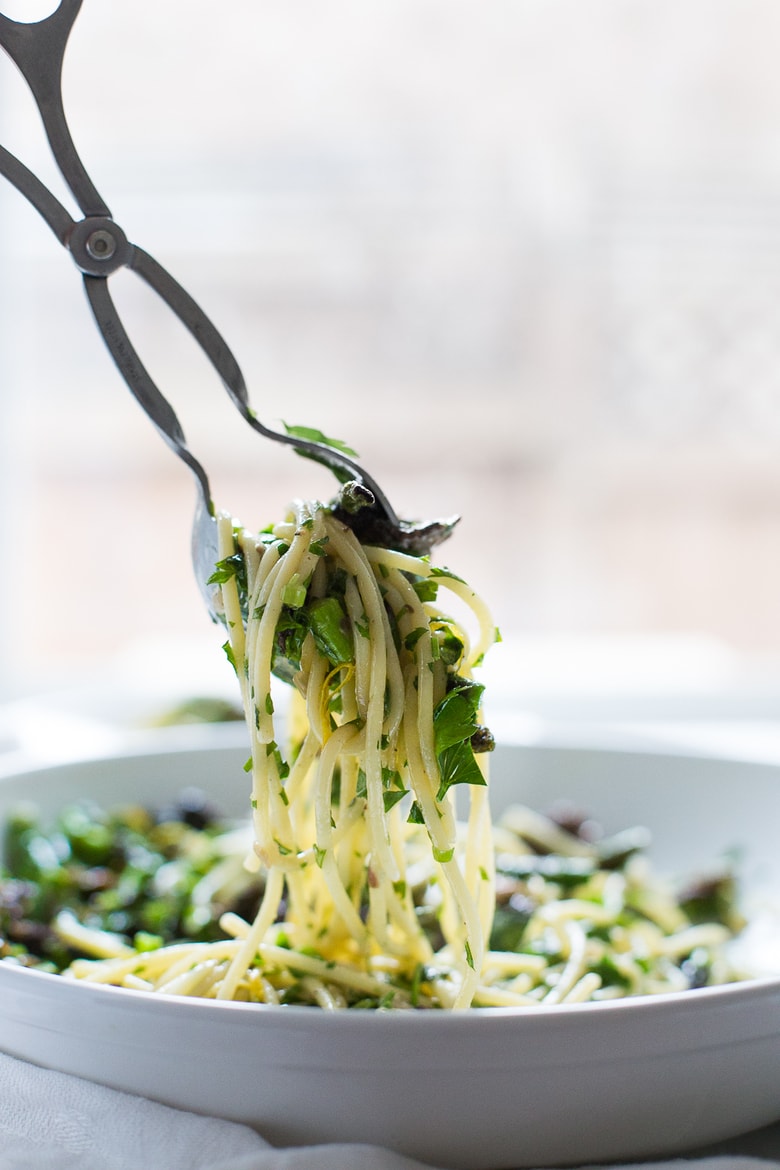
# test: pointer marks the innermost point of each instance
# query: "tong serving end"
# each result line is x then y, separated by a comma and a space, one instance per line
356, 506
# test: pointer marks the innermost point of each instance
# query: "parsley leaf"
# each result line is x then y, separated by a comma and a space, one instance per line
230, 655
294, 593
315, 436
392, 798
458, 766
455, 717
411, 639
450, 647
328, 621
443, 572
425, 588
362, 627
232, 566
454, 723
291, 630
443, 855
415, 815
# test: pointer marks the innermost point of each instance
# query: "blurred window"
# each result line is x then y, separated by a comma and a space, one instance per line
524, 257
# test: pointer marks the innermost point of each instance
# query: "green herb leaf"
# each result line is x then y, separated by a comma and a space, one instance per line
455, 717
315, 436
443, 572
143, 941
294, 593
282, 767
412, 638
414, 987
443, 855
425, 588
291, 630
450, 647
328, 623
392, 798
225, 570
415, 815
392, 779
362, 627
457, 766
230, 655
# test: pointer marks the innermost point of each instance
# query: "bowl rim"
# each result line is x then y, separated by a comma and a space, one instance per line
719, 995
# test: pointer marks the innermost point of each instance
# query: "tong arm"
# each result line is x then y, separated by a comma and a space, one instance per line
216, 348
99, 247
38, 51
138, 379
26, 183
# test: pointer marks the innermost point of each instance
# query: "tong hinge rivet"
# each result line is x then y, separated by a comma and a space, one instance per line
101, 245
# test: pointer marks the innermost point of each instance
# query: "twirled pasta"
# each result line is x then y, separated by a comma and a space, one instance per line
375, 893
373, 661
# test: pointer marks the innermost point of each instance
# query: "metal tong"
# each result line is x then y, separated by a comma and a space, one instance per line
99, 247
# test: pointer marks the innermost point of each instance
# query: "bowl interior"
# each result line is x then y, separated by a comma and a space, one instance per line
698, 809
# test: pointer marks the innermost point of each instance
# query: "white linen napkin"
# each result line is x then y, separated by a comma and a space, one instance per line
50, 1121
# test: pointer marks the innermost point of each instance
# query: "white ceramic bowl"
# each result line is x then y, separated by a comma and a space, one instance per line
499, 1088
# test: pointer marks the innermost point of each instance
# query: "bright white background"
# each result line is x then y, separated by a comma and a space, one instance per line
524, 255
